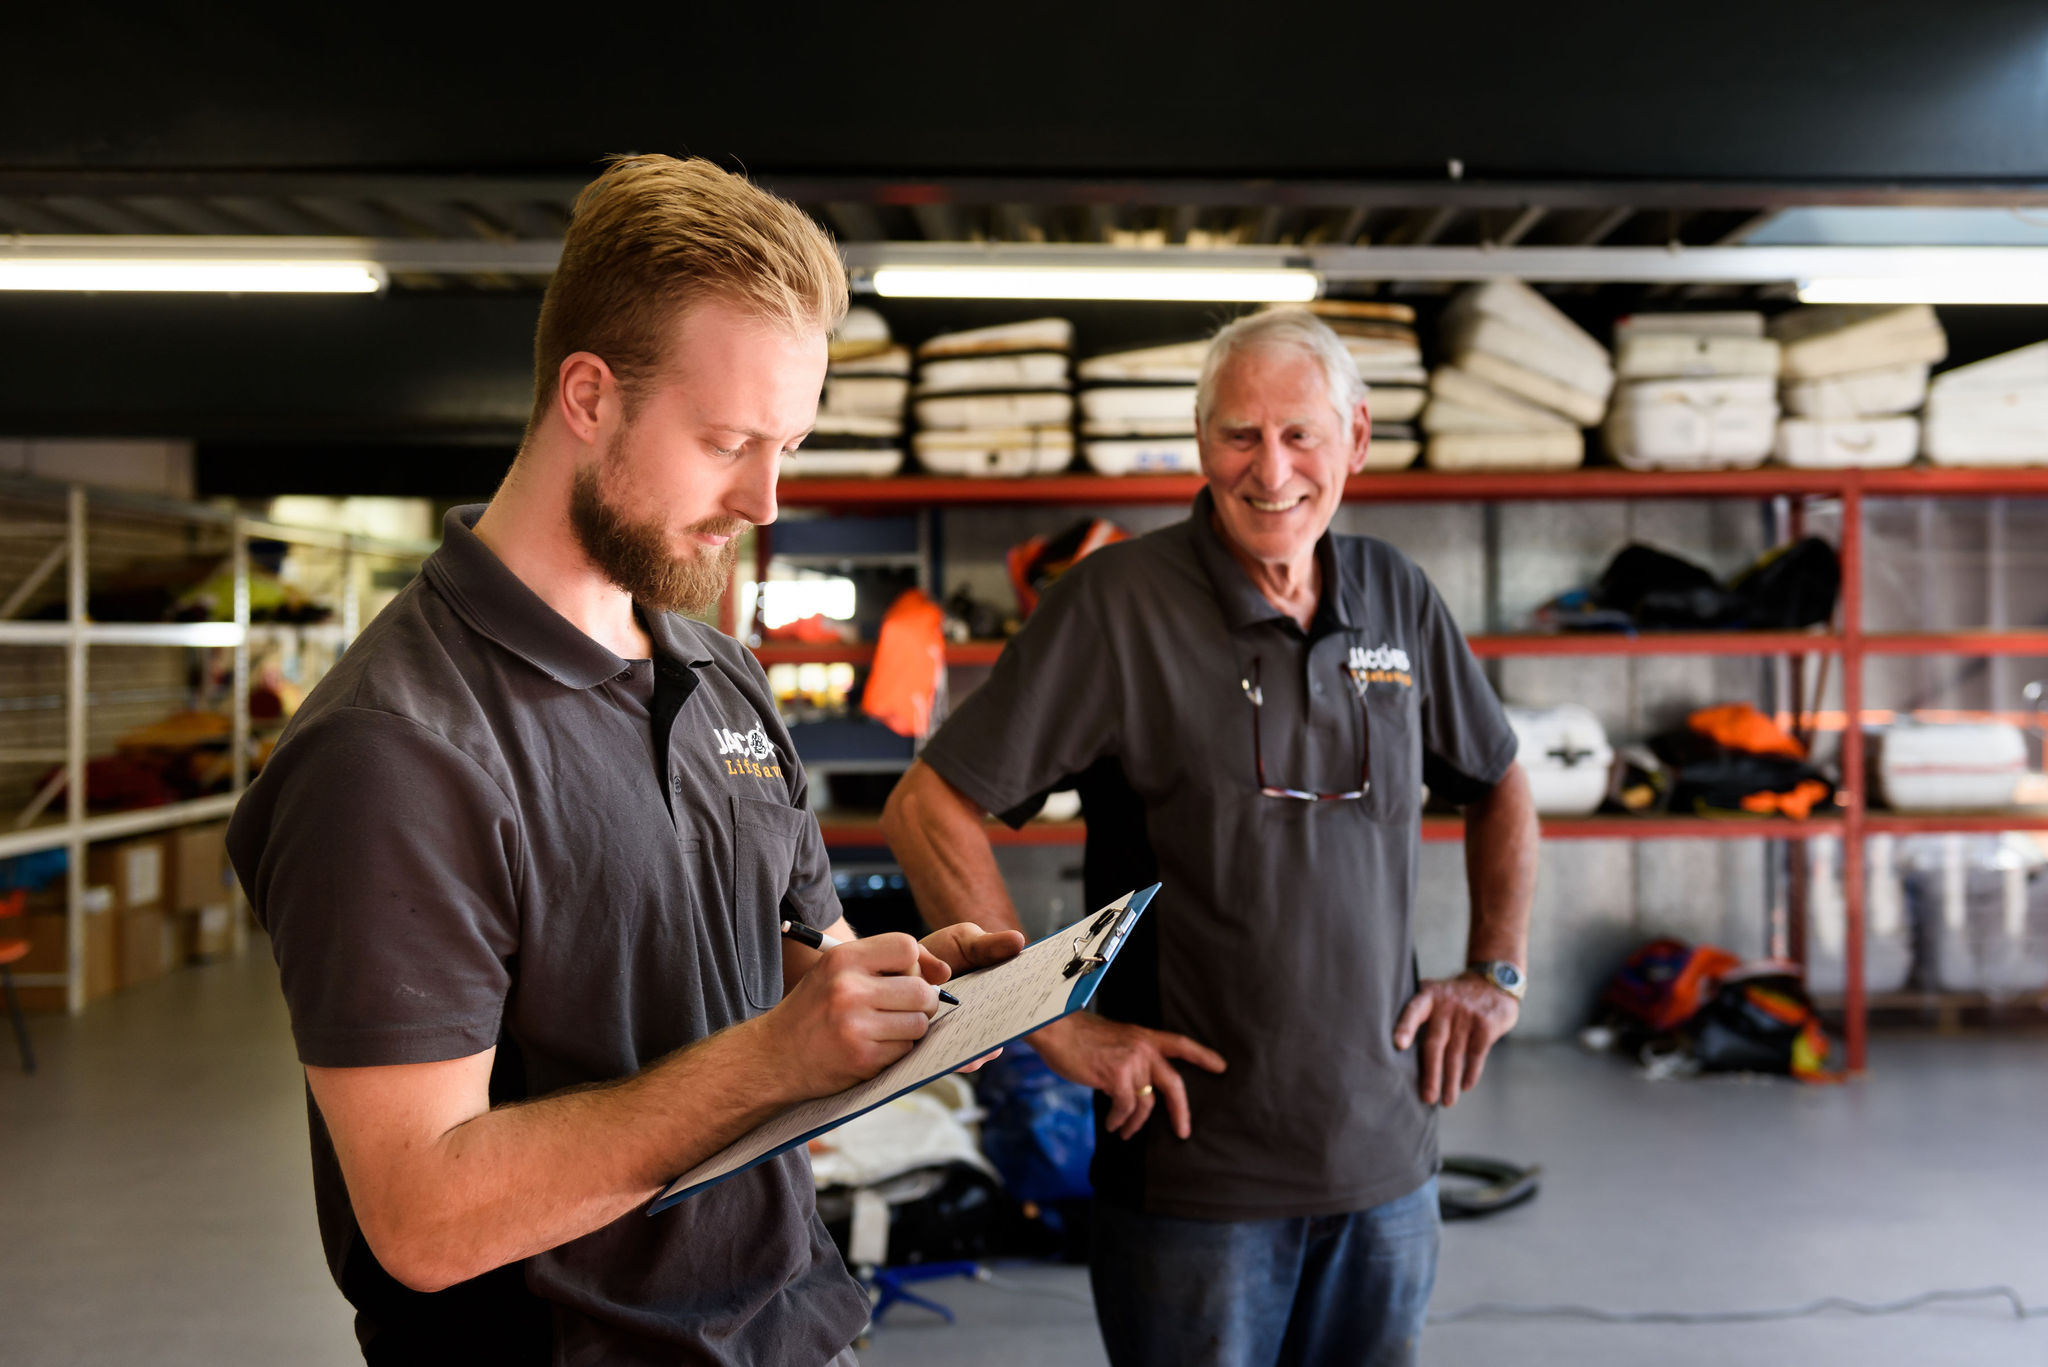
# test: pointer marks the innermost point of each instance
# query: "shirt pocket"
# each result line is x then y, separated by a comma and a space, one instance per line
764, 845
1394, 759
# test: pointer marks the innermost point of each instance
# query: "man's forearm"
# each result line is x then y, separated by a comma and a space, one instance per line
938, 838
1501, 839
517, 1180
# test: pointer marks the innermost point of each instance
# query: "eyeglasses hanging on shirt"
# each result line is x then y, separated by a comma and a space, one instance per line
1256, 696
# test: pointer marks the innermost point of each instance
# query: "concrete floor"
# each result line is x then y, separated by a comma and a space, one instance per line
157, 1206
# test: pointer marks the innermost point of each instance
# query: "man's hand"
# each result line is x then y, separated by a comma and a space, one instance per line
1465, 1016
1132, 1064
963, 947
859, 1009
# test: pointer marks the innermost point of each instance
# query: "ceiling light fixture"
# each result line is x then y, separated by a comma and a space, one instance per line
2011, 287
187, 275
1194, 284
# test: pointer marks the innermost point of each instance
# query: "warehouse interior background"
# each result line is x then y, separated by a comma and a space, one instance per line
296, 452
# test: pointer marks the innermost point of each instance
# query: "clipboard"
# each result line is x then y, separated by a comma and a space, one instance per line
1053, 978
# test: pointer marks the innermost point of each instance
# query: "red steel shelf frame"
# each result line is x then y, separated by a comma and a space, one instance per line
1417, 486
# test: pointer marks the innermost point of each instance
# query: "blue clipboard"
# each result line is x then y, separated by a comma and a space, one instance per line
1090, 946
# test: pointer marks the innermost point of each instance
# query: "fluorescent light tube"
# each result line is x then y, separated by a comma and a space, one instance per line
2007, 288
1200, 285
189, 275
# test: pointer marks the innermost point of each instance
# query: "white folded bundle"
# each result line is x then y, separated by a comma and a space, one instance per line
1505, 332
862, 332
848, 444
1460, 401
1177, 363
1037, 334
1394, 447
864, 396
1740, 324
1711, 424
1142, 455
1395, 402
1840, 443
876, 463
1835, 339
889, 360
1688, 355
1564, 449
1178, 425
1038, 409
844, 427
1859, 393
1020, 370
1994, 412
1139, 403
997, 451
1376, 375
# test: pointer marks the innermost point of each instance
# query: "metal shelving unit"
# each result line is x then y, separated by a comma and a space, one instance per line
1848, 642
78, 635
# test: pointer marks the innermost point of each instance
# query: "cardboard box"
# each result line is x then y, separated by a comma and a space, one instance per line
146, 942
135, 869
199, 872
205, 934
48, 955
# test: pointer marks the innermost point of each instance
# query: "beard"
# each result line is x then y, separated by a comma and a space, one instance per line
639, 558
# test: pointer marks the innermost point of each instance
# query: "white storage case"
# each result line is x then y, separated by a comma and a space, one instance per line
1391, 453
1040, 409
1395, 403
1142, 455
1036, 334
1118, 404
1564, 450
1693, 424
1586, 374
831, 462
1029, 370
1992, 413
1565, 753
1836, 444
1859, 393
1834, 339
1176, 363
1579, 408
864, 396
997, 452
1735, 324
1671, 355
1960, 766
1463, 402
1981, 903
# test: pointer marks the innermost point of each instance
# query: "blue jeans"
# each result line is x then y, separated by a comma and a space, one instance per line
1314, 1292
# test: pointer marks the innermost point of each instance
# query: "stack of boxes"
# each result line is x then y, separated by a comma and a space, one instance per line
1521, 381
997, 400
1138, 410
1698, 392
1851, 376
1992, 413
1382, 342
860, 417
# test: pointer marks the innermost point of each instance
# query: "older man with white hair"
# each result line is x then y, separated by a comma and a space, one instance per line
1250, 705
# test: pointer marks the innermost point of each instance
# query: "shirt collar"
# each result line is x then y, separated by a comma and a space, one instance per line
1243, 605
497, 603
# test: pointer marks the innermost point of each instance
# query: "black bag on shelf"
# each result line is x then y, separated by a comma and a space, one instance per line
1791, 587
1659, 590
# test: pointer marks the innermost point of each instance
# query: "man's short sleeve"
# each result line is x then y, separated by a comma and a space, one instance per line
1050, 707
380, 859
1467, 742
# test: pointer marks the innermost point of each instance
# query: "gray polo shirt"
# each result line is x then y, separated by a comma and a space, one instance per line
483, 828
1282, 937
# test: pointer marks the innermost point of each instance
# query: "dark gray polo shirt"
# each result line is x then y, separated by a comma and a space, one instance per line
1282, 937
484, 829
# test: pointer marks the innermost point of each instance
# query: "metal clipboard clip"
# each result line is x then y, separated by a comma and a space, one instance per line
1117, 923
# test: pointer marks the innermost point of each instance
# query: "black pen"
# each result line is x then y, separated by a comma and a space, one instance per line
819, 940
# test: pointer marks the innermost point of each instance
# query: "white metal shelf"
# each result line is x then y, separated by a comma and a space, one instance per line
77, 636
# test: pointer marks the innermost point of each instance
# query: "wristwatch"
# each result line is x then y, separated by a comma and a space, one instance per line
1501, 974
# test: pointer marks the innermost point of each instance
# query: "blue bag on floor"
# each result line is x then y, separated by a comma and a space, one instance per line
1040, 1129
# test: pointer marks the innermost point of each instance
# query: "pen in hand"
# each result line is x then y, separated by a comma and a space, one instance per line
818, 940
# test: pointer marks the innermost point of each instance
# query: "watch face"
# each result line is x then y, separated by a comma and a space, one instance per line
1506, 975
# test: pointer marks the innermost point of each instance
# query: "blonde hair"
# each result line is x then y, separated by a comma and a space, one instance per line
654, 235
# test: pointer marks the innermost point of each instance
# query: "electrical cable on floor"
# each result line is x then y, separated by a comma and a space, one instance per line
1495, 1310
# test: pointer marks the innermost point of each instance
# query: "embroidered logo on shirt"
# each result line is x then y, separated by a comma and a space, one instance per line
1381, 664
743, 752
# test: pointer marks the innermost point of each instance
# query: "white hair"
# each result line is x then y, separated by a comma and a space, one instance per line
1296, 328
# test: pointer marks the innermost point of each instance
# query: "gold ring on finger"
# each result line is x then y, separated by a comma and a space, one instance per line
1145, 1090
